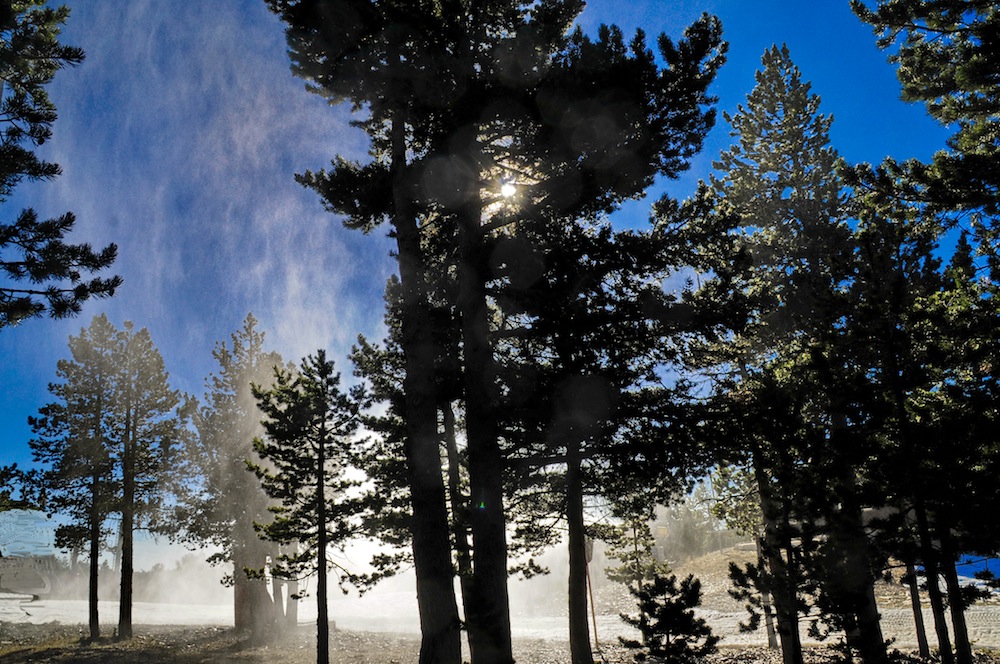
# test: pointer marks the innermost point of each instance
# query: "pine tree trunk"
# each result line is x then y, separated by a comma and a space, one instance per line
322, 612
918, 614
439, 623
242, 616
765, 602
277, 596
127, 528
861, 589
459, 509
292, 604
252, 604
489, 623
125, 600
963, 647
929, 556
783, 587
95, 565
579, 630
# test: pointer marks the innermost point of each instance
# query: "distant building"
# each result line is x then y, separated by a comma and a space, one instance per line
27, 552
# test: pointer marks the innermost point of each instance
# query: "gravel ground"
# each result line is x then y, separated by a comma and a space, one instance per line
54, 642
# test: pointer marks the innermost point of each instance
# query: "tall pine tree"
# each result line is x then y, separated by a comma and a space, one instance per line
464, 96
310, 427
72, 442
789, 262
149, 427
225, 502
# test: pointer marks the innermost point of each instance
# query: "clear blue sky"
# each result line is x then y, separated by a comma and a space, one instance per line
180, 133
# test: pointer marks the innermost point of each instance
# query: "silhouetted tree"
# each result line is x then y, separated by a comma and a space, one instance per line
946, 54
226, 501
40, 271
789, 274
73, 438
585, 325
310, 425
149, 427
670, 631
462, 97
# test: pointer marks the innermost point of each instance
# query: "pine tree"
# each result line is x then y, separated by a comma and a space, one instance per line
73, 443
670, 631
310, 425
946, 55
149, 428
464, 96
227, 500
73, 436
778, 187
584, 322
945, 52
33, 250
925, 331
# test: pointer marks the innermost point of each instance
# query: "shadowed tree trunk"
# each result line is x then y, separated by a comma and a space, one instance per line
489, 623
782, 587
579, 630
253, 606
963, 648
127, 527
765, 601
439, 623
459, 508
95, 555
291, 603
929, 555
866, 635
322, 610
918, 614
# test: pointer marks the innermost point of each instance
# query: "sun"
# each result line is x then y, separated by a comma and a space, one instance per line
507, 189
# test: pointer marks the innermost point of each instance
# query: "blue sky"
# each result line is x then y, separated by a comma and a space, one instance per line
180, 134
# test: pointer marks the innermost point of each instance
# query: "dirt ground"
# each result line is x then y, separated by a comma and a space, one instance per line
218, 645
63, 643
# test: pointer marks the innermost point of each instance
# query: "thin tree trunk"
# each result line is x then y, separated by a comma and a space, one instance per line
765, 602
783, 586
929, 556
963, 648
489, 624
95, 554
322, 613
579, 630
127, 526
918, 613
459, 509
292, 604
439, 623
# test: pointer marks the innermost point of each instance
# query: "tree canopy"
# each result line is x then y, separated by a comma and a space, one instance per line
40, 273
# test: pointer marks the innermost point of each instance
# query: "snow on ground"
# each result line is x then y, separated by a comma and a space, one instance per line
396, 612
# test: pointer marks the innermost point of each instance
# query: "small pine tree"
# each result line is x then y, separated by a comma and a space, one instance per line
670, 631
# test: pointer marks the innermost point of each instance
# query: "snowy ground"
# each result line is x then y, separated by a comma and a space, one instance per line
396, 612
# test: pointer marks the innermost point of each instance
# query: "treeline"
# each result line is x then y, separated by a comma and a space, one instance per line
191, 580
822, 334
835, 335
